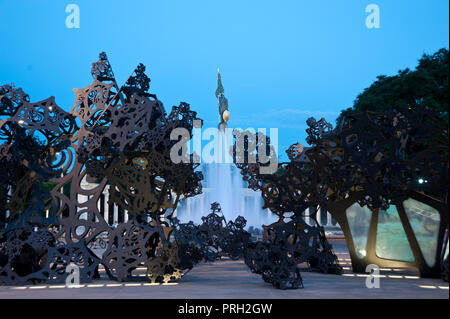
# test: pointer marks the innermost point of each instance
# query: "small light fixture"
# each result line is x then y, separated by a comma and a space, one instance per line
422, 181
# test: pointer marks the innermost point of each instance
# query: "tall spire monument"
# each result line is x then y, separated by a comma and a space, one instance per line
222, 101
223, 182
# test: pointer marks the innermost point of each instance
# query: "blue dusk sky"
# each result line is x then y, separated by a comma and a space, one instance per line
281, 61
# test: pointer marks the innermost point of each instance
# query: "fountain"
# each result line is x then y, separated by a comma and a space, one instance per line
223, 182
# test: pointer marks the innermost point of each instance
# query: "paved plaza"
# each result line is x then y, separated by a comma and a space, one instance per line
233, 279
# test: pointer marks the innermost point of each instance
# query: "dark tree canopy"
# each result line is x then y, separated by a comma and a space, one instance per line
426, 86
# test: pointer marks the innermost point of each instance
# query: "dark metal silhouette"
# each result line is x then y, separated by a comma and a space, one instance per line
287, 193
113, 137
374, 160
379, 161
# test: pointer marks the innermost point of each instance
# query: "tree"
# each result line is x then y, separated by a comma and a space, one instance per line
426, 86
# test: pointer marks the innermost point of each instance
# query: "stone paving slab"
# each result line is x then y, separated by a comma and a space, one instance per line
228, 279
232, 279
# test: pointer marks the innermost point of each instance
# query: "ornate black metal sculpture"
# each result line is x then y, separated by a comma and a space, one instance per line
119, 137
189, 244
287, 193
392, 162
113, 137
214, 237
285, 247
385, 164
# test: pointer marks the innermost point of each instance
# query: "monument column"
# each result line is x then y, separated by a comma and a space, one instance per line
307, 221
106, 206
9, 195
99, 207
188, 207
81, 199
116, 214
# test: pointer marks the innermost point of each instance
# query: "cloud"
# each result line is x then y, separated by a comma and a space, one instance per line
287, 118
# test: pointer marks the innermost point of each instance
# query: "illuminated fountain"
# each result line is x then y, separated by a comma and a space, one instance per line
223, 182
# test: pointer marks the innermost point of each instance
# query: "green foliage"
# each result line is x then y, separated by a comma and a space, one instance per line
46, 187
426, 86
